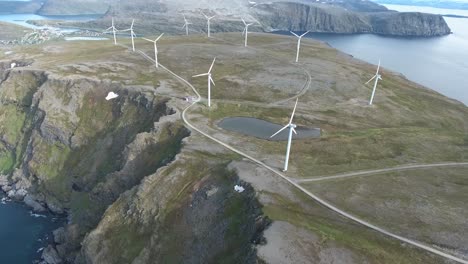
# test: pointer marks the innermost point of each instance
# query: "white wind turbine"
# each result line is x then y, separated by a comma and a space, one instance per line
114, 31
210, 80
298, 43
208, 19
132, 34
186, 26
246, 31
377, 77
155, 48
291, 127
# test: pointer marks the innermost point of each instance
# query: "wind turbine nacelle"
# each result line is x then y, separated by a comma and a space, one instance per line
293, 125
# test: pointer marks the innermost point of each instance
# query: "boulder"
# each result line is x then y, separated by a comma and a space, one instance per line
50, 255
30, 201
59, 235
6, 188
3, 180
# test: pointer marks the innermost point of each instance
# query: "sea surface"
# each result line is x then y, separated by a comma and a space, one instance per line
439, 63
22, 233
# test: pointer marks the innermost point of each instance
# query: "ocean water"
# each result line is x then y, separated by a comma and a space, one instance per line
439, 63
23, 234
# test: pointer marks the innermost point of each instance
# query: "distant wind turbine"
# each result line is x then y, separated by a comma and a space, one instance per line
210, 80
155, 48
208, 19
377, 77
246, 31
186, 26
299, 43
291, 127
132, 34
114, 31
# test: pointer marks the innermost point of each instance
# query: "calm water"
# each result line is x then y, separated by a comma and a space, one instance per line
439, 63
20, 19
263, 129
22, 233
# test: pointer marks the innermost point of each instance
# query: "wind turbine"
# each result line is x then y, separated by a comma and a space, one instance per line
246, 31
377, 77
155, 48
291, 127
210, 80
114, 31
208, 19
186, 24
132, 34
298, 43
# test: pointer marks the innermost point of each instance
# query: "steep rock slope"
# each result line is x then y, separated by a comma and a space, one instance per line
74, 152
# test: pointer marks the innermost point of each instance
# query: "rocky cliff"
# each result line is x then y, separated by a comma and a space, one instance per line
73, 152
325, 18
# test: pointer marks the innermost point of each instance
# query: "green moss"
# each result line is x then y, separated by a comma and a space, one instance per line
11, 121
7, 161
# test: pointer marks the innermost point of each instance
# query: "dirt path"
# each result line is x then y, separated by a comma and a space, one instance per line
379, 171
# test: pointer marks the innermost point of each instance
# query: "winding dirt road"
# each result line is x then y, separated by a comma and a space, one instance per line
292, 181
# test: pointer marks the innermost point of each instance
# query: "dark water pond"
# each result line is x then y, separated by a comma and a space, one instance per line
264, 129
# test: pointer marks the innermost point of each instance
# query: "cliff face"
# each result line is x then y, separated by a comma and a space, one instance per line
201, 220
70, 150
302, 17
409, 24
325, 18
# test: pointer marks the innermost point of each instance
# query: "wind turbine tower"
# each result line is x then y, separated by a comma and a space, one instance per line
377, 77
186, 25
299, 43
114, 31
208, 20
155, 48
246, 31
210, 80
292, 129
132, 34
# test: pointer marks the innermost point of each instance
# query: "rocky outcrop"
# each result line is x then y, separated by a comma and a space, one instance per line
201, 220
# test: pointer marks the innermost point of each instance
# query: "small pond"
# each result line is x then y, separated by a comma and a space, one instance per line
263, 129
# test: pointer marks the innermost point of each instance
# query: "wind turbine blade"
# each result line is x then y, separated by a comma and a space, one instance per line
371, 79
159, 37
294, 34
133, 22
203, 74
108, 29
294, 111
305, 33
148, 40
211, 79
184, 25
211, 67
211, 17
204, 15
243, 31
279, 131
294, 130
